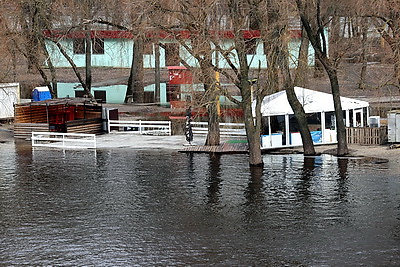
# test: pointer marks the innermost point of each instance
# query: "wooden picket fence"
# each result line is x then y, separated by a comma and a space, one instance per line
366, 135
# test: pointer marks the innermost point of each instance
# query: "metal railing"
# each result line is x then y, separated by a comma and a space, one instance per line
142, 127
226, 129
63, 140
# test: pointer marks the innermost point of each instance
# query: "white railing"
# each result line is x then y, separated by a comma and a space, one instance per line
63, 140
225, 129
142, 127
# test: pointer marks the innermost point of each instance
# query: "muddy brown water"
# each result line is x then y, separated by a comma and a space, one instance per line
125, 207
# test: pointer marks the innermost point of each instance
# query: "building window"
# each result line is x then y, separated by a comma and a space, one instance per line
251, 46
98, 45
100, 96
79, 93
79, 46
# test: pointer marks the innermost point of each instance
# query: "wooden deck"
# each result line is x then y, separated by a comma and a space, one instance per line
226, 148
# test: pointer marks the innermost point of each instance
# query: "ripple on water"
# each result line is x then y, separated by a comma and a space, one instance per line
128, 207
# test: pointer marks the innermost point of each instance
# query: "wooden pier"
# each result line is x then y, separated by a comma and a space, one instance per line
225, 148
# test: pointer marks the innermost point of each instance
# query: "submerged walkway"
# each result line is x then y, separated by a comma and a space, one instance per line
227, 147
174, 142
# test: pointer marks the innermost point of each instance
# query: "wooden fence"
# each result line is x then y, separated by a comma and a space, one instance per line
89, 126
366, 135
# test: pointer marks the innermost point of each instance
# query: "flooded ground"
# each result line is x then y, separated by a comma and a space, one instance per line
125, 207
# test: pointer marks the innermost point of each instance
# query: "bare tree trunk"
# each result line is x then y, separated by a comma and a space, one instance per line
253, 136
212, 92
318, 69
253, 130
53, 87
88, 62
318, 41
300, 114
74, 68
363, 74
213, 135
129, 89
137, 72
301, 77
340, 126
396, 56
157, 73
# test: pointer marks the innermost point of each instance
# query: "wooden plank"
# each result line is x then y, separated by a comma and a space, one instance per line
238, 148
24, 130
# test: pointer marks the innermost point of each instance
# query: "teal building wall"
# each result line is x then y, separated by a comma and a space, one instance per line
118, 54
115, 94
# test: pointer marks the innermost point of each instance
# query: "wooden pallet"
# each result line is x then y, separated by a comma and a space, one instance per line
24, 130
90, 126
366, 135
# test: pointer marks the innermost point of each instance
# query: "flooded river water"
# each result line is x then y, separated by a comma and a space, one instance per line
122, 207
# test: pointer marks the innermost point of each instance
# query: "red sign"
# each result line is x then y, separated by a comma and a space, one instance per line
179, 75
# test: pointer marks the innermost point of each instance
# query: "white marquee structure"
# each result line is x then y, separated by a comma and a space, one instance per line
280, 126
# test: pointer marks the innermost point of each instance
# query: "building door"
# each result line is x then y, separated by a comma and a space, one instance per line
358, 118
172, 55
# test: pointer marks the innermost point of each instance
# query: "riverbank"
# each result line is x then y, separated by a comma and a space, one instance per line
177, 142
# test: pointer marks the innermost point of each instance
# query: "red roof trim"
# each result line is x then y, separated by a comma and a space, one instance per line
176, 67
117, 34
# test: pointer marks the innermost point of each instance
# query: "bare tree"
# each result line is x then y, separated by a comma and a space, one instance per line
386, 15
301, 76
195, 17
280, 21
239, 13
24, 26
314, 23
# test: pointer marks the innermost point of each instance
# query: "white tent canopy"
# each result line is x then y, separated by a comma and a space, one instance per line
312, 101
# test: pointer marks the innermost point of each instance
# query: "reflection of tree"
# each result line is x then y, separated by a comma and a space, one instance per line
190, 164
255, 206
343, 175
253, 193
214, 178
306, 174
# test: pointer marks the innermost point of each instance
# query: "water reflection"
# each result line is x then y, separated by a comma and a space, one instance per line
342, 179
127, 208
303, 186
254, 192
214, 178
